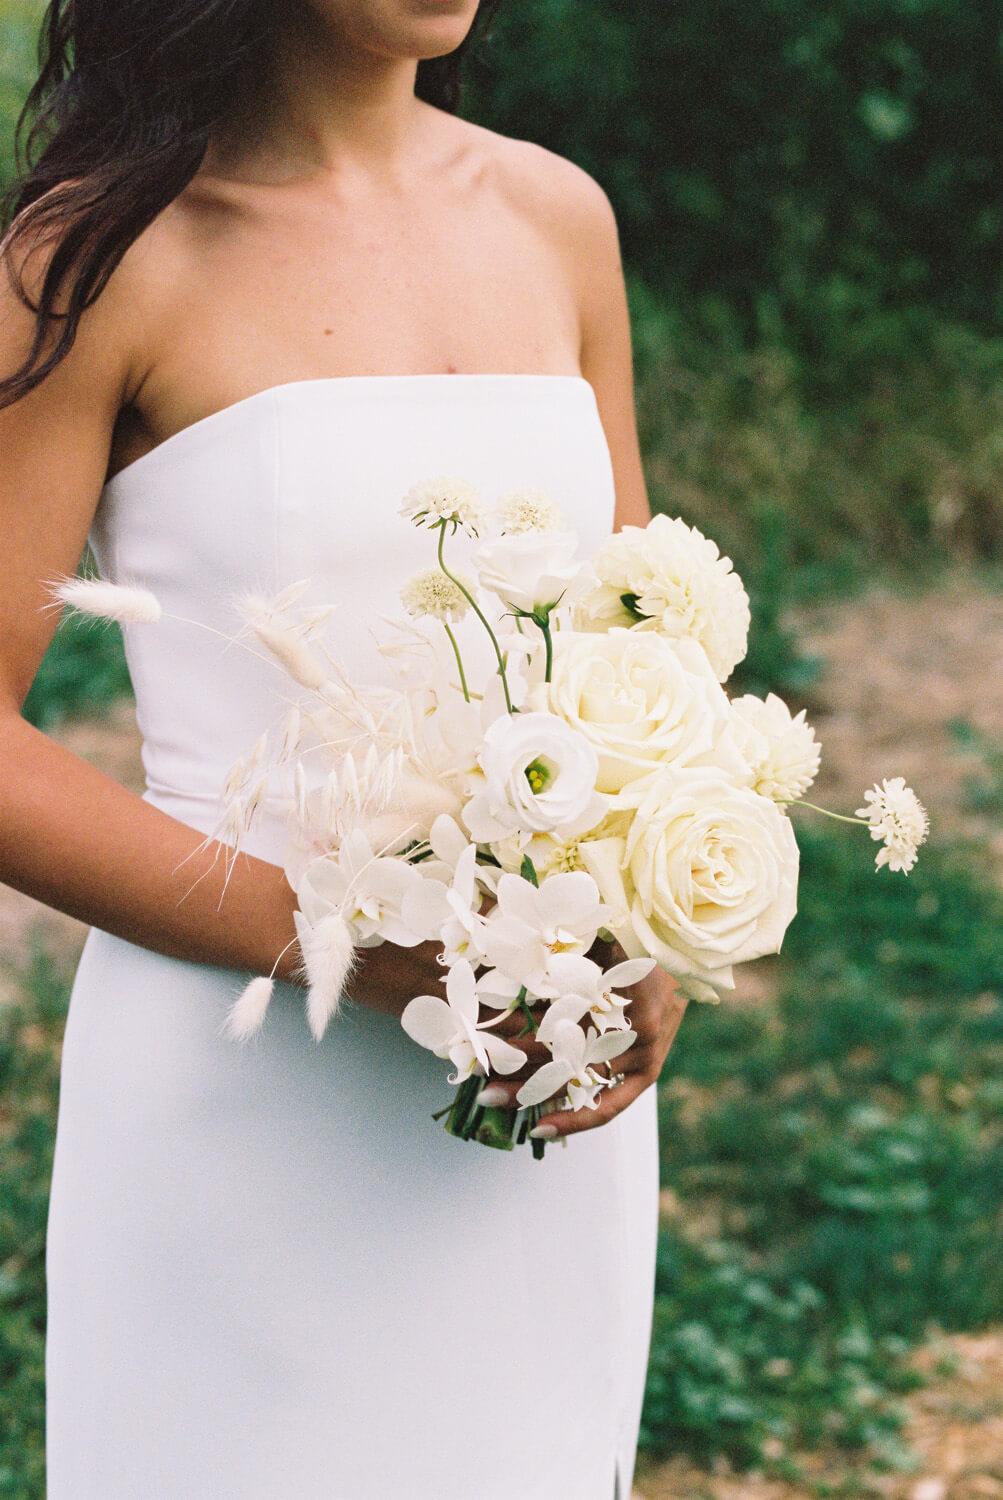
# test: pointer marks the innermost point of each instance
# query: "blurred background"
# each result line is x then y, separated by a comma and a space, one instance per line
810, 199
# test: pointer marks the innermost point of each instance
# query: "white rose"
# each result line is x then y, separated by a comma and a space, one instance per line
670, 577
705, 878
528, 570
539, 776
782, 751
643, 701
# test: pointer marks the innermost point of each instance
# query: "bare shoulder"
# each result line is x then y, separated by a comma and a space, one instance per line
561, 199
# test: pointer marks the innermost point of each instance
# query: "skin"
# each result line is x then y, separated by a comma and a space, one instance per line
393, 239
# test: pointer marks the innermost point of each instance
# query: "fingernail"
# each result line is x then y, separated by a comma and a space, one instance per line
493, 1097
543, 1132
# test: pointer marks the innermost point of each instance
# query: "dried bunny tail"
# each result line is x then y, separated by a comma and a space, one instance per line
328, 956
125, 603
284, 644
246, 1014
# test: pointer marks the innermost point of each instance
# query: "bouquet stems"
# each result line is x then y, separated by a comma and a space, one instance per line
504, 1129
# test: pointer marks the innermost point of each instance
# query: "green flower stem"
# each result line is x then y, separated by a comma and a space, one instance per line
544, 624
459, 659
840, 817
479, 613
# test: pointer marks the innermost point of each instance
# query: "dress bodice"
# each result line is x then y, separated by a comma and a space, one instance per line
303, 481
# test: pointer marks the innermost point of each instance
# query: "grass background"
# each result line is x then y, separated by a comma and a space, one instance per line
831, 1155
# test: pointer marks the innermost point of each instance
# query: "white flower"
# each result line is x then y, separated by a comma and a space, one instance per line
584, 989
448, 913
669, 576
528, 510
782, 751
433, 593
705, 878
642, 701
367, 892
444, 499
575, 1056
897, 817
449, 1028
531, 924
529, 571
539, 775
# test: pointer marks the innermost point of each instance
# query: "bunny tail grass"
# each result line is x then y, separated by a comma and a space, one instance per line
247, 1012
126, 604
328, 955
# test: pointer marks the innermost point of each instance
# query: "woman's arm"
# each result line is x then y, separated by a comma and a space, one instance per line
69, 835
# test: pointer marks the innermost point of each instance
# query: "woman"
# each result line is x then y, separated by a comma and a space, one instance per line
263, 280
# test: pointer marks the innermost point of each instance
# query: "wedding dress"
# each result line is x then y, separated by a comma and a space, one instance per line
271, 1275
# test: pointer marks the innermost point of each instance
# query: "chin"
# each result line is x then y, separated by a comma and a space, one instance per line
419, 29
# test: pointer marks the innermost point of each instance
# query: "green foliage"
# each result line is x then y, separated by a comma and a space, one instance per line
849, 1145
83, 670
805, 165
30, 1033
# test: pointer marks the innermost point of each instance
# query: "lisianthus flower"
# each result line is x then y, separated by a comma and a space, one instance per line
898, 818
449, 1028
575, 1056
529, 571
539, 776
453, 501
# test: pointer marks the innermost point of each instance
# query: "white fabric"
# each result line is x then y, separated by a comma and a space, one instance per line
271, 1275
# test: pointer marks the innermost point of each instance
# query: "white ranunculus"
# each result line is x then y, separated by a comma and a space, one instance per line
781, 750
705, 878
539, 776
670, 577
528, 570
643, 701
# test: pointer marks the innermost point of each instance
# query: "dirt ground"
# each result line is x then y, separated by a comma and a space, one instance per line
899, 671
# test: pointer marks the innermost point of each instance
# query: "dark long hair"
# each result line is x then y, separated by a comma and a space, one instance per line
117, 123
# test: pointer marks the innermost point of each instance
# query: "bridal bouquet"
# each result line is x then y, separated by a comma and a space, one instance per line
555, 761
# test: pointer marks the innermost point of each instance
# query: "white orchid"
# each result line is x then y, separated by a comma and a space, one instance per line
449, 913
585, 990
365, 890
539, 775
531, 925
448, 1027
576, 1054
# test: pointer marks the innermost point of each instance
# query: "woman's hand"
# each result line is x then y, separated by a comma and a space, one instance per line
657, 1006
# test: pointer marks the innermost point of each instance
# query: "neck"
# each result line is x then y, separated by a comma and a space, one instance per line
327, 106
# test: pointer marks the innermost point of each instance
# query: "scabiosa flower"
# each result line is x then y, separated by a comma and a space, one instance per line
898, 818
451, 500
432, 593
528, 510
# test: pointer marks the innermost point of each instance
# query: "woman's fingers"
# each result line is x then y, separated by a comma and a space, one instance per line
612, 1102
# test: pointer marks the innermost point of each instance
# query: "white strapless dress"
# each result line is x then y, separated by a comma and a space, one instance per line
271, 1275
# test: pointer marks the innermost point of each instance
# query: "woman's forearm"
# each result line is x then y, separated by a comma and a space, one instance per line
76, 840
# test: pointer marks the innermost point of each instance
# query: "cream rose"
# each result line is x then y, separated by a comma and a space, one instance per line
705, 878
641, 700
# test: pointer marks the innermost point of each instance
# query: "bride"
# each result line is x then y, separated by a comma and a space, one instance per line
261, 279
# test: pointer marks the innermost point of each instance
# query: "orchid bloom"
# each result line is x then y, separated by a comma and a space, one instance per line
531, 925
575, 1055
448, 1027
585, 990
